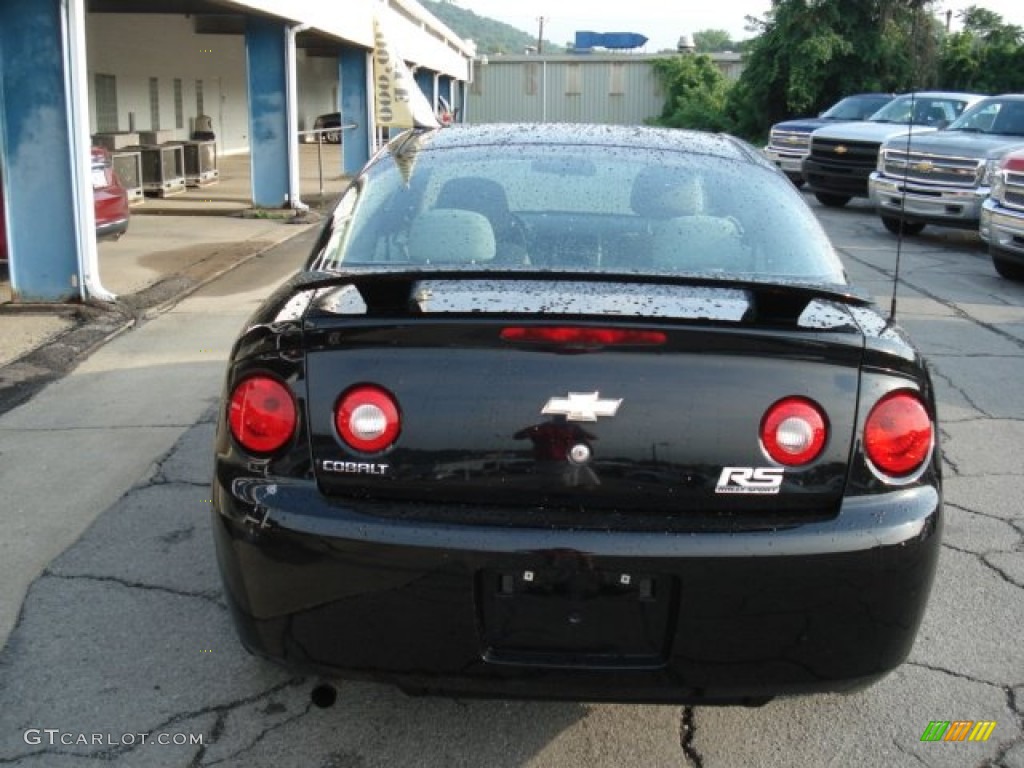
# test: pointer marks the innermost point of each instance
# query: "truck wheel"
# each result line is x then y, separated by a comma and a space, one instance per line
1011, 270
796, 178
832, 201
908, 227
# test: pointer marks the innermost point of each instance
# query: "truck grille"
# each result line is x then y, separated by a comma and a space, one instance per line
932, 169
1013, 197
790, 141
850, 154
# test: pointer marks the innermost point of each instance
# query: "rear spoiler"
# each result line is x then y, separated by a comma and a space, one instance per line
392, 293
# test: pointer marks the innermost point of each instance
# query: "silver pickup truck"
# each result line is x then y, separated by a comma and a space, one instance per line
1002, 218
944, 177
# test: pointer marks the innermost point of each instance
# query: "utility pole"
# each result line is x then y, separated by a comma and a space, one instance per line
540, 34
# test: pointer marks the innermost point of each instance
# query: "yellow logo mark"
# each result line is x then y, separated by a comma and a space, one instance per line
841, 149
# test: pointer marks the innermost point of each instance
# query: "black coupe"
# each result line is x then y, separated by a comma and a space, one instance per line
581, 412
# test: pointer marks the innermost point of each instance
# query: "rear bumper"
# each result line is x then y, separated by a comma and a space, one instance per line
821, 607
111, 229
929, 205
1003, 229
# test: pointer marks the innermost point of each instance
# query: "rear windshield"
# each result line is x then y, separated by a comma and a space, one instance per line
577, 208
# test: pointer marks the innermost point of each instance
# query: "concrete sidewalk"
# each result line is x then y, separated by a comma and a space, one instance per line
173, 246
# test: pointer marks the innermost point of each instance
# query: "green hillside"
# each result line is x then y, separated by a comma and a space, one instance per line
490, 36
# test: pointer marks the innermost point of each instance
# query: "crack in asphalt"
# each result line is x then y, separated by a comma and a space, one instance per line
958, 675
212, 596
221, 710
1018, 526
904, 751
1003, 574
955, 308
981, 557
259, 737
87, 428
1011, 702
687, 733
958, 389
160, 480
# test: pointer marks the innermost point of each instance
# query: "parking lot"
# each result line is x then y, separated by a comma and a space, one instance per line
123, 652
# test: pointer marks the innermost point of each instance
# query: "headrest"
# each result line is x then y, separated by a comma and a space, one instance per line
475, 193
451, 236
664, 193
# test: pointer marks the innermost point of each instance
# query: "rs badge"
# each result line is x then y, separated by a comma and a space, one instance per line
749, 480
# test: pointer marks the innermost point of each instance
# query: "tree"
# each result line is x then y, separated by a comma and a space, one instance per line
713, 40
811, 53
696, 93
986, 55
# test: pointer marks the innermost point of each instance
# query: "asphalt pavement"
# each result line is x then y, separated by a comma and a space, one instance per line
119, 648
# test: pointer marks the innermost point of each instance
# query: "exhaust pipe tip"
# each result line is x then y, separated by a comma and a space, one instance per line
324, 695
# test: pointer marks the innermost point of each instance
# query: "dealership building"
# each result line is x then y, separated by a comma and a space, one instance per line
228, 76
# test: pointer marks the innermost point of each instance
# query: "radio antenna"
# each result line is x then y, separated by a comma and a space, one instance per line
915, 8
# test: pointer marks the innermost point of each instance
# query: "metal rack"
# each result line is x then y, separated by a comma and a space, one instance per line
128, 167
201, 163
163, 169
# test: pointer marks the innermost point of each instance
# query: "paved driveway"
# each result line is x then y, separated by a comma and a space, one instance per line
123, 642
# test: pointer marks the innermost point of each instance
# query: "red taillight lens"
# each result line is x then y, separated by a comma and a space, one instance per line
367, 418
898, 434
793, 431
1014, 162
262, 414
582, 336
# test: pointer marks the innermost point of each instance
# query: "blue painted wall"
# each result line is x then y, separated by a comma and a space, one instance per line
425, 80
353, 65
35, 152
268, 117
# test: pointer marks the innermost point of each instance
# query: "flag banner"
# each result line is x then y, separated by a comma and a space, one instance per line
398, 100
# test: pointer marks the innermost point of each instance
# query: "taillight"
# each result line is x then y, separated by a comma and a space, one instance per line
794, 431
898, 434
262, 414
367, 418
574, 336
1013, 163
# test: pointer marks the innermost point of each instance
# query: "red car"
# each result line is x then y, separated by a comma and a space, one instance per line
110, 201
109, 197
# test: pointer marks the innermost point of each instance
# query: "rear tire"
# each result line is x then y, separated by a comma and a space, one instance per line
895, 226
832, 201
1008, 268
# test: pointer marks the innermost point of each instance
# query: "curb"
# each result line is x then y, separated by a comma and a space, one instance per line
97, 324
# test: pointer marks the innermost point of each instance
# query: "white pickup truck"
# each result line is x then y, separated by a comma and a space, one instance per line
843, 156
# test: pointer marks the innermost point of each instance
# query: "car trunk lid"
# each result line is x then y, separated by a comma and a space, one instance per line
589, 395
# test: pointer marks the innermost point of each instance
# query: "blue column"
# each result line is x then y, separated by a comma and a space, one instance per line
36, 153
444, 91
425, 80
268, 116
353, 64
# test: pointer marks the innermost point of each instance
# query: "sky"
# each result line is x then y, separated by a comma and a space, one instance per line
662, 22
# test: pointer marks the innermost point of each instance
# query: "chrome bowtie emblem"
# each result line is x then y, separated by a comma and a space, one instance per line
581, 406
